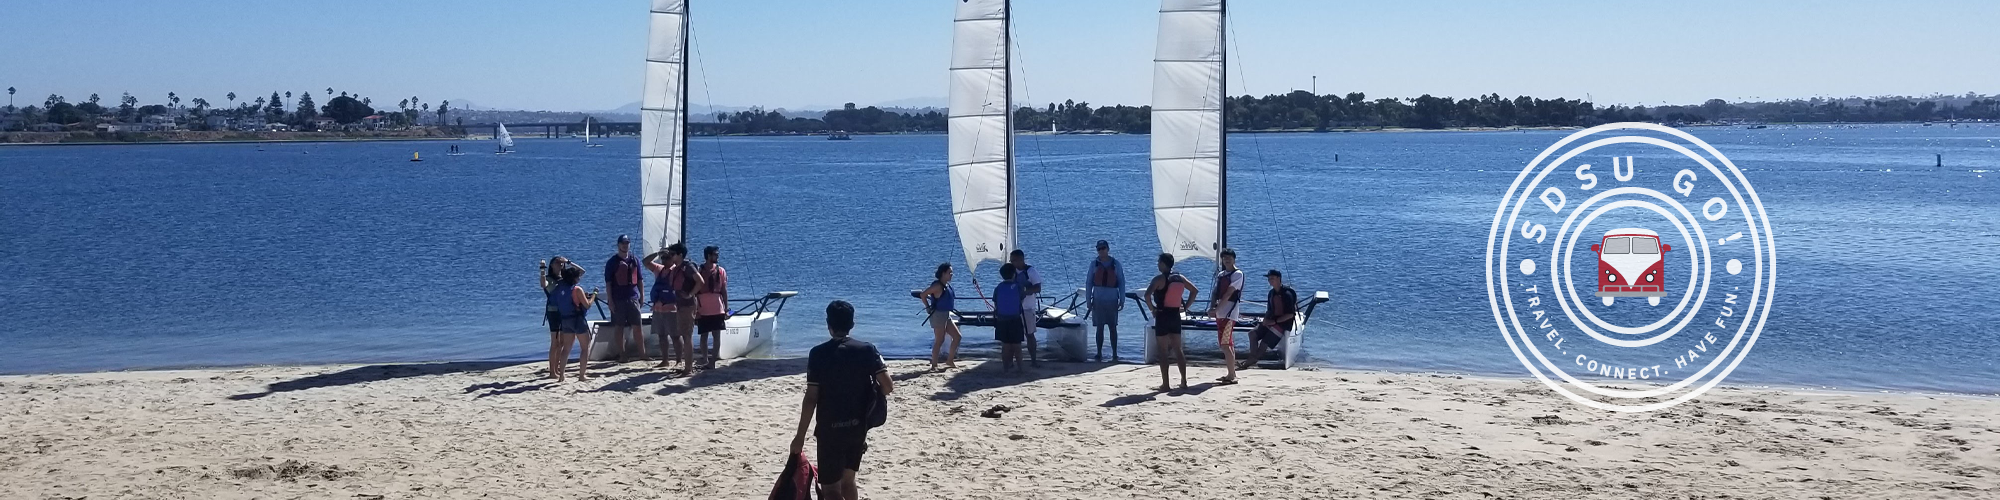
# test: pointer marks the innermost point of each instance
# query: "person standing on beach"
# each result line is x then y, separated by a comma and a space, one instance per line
1278, 319
1107, 296
847, 390
623, 282
552, 276
939, 302
712, 303
1031, 298
1009, 326
670, 269
1224, 305
1167, 295
571, 305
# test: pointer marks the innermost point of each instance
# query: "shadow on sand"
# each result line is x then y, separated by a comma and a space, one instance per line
741, 370
377, 373
988, 376
1133, 399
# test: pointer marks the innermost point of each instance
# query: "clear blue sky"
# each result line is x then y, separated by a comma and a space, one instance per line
586, 55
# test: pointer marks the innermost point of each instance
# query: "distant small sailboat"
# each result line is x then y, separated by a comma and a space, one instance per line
416, 157
586, 136
506, 139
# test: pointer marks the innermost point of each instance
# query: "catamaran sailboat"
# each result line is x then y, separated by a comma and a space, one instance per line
980, 162
506, 139
753, 329
586, 135
1190, 167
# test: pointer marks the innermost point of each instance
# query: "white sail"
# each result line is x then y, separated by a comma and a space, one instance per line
662, 141
586, 130
1188, 93
980, 152
506, 139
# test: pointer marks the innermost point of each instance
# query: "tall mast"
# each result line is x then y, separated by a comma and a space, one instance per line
1222, 131
1007, 63
685, 24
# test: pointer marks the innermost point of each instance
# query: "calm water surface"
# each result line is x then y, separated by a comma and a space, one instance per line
203, 255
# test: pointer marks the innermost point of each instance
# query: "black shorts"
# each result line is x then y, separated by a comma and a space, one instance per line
555, 321
712, 323
625, 312
1009, 330
1168, 322
838, 454
1268, 336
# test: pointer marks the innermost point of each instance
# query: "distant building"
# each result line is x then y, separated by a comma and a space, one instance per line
160, 123
277, 127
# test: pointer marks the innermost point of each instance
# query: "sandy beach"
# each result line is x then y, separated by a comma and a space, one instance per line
494, 430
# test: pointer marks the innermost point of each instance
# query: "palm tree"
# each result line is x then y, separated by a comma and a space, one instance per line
174, 99
10, 98
329, 91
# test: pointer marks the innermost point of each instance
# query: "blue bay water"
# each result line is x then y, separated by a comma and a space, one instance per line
152, 256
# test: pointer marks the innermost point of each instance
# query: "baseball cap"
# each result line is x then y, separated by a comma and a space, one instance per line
624, 238
1101, 244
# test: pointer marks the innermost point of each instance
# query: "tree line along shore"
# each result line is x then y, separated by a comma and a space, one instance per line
296, 116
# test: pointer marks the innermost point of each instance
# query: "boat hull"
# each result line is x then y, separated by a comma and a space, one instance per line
1290, 352
744, 336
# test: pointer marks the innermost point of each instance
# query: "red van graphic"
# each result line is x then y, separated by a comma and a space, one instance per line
1629, 264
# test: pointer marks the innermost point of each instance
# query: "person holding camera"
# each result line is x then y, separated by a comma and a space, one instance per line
571, 303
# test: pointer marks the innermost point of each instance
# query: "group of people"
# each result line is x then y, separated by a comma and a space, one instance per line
847, 382
686, 299
1016, 307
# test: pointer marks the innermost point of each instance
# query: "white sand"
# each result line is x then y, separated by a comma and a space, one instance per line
487, 430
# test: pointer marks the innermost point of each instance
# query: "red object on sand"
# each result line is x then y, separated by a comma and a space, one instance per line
796, 482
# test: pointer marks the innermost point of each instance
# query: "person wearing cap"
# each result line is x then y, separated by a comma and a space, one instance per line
622, 285
712, 304
1279, 316
1107, 296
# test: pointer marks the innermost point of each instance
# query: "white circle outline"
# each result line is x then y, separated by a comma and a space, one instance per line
1763, 246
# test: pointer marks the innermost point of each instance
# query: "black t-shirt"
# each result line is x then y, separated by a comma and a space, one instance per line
1283, 301
844, 369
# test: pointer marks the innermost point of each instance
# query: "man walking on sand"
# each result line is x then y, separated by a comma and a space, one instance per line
1031, 298
1107, 296
622, 283
847, 390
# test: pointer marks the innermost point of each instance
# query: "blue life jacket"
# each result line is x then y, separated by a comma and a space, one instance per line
561, 298
1007, 298
946, 300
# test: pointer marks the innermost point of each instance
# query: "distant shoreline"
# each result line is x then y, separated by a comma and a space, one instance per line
7, 138
212, 137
